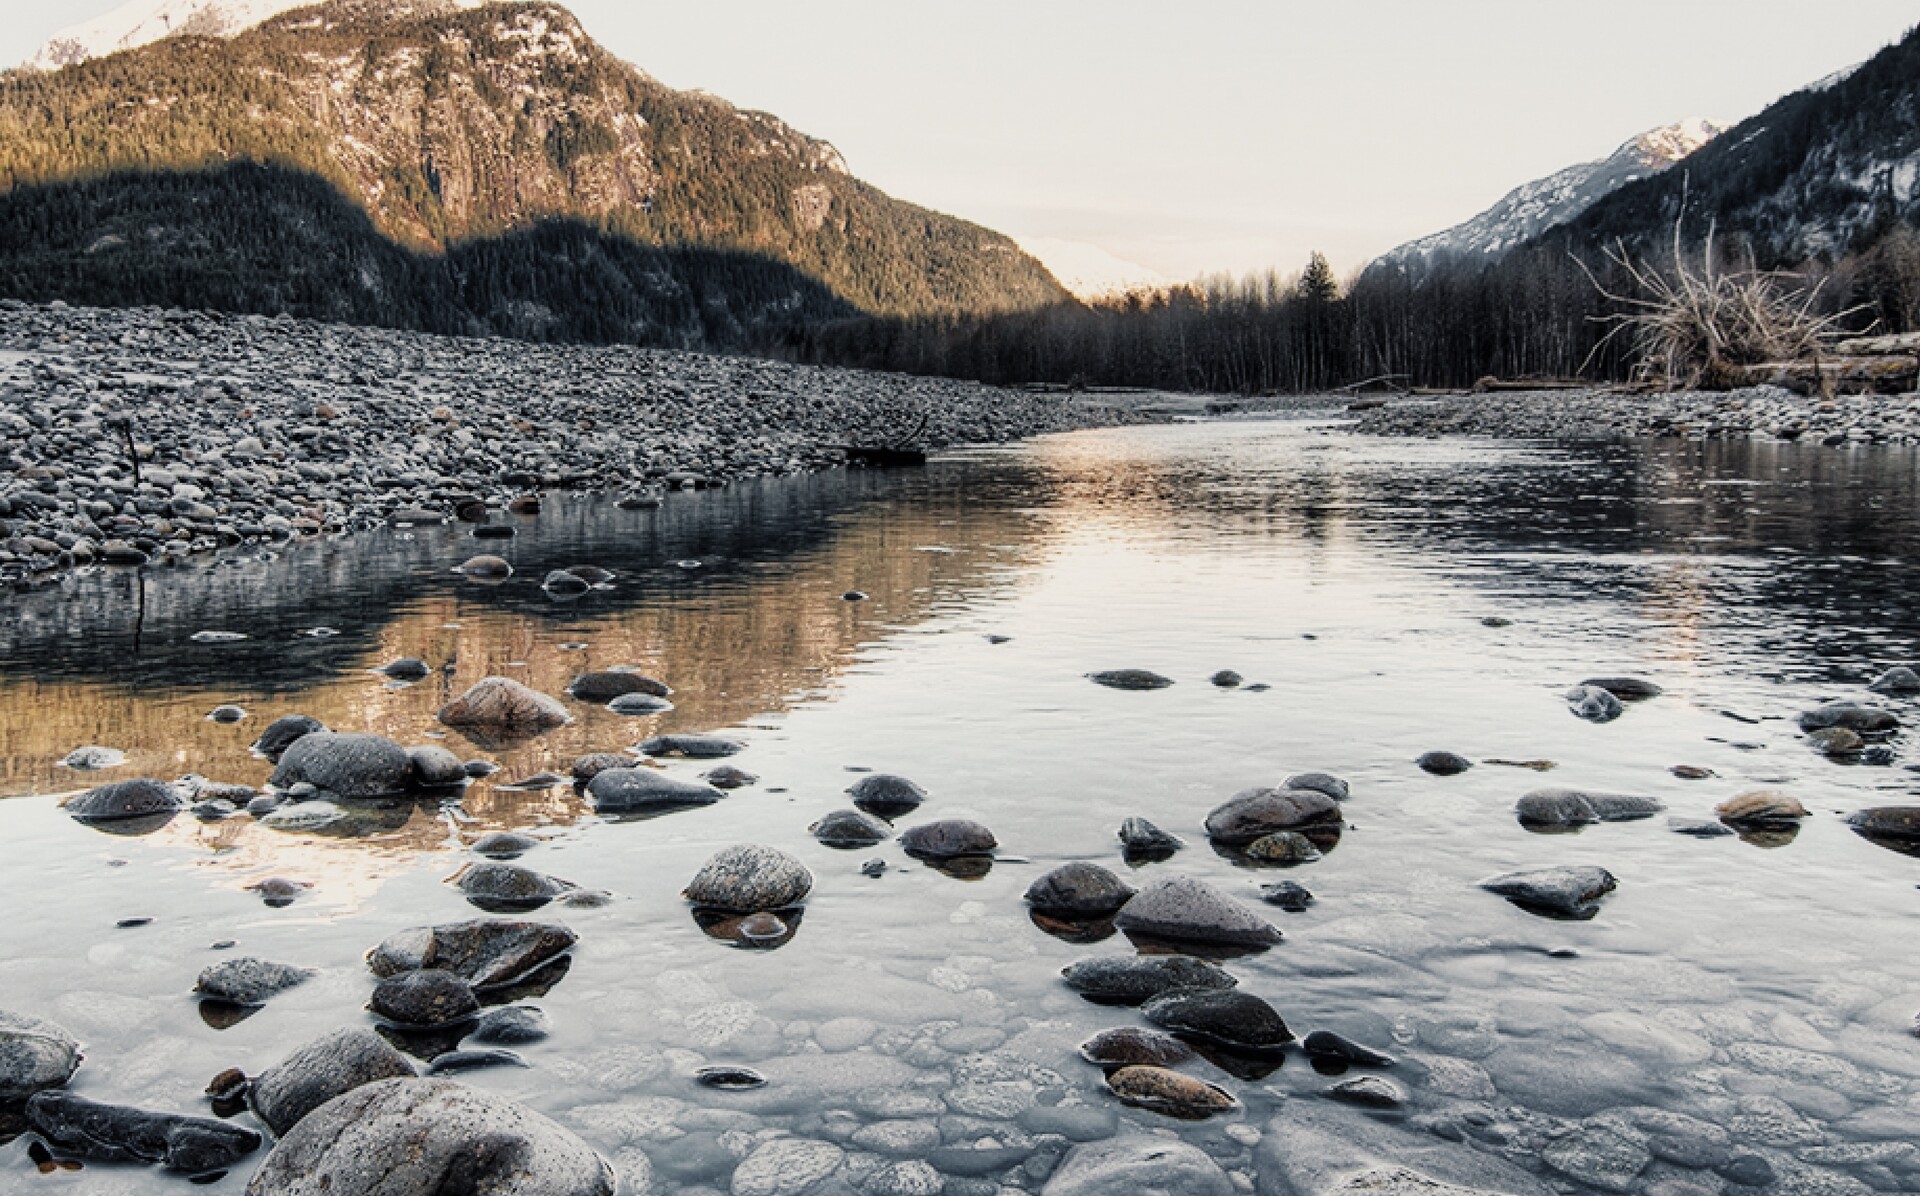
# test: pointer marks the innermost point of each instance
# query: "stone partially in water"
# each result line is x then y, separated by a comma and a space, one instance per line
639, 705
508, 888
407, 1136
1897, 680
948, 838
886, 795
850, 828
319, 1071
1319, 782
1130, 679
1256, 813
1627, 689
282, 733
691, 747
1594, 704
455, 1062
1282, 847
730, 1079
407, 668
425, 999
1836, 741
34, 1055
1289, 896
1137, 979
748, 878
1554, 807
1444, 764
1370, 1092
488, 954
501, 704
247, 981
86, 1129
1865, 720
93, 757
1079, 888
1225, 1016
504, 845
514, 1025
1227, 679
1557, 892
345, 765
1170, 1092
434, 767
643, 790
124, 801
606, 685
559, 581
1761, 807
1887, 822
591, 765
1138, 837
1131, 1046
1184, 909
728, 776
486, 566
1138, 1165
1325, 1044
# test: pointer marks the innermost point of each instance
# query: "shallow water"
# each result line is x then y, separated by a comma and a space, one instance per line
1767, 990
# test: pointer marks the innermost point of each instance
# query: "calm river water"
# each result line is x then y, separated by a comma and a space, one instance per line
1756, 995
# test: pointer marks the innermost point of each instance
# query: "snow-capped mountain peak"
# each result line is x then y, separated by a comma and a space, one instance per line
143, 22
1533, 208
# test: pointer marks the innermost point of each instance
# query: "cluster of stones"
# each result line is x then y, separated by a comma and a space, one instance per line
129, 437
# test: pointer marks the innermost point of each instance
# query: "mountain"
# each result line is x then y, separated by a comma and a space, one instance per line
143, 22
1819, 174
1091, 272
449, 122
1529, 210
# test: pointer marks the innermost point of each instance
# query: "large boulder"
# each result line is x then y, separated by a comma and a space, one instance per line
412, 1137
1183, 909
77, 1126
486, 953
501, 704
644, 790
318, 1072
1138, 1165
345, 765
34, 1055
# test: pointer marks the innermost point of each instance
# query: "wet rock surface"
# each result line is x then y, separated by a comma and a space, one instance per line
1138, 1164
489, 954
1079, 888
1183, 908
1560, 892
1134, 980
749, 878
850, 828
319, 1071
643, 790
34, 1054
1229, 1017
886, 795
948, 838
345, 765
691, 747
503, 705
125, 800
248, 981
119, 1134
1257, 813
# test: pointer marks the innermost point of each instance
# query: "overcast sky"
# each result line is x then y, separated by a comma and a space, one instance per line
1215, 135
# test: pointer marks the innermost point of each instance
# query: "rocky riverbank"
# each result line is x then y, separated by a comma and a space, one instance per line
129, 437
1760, 412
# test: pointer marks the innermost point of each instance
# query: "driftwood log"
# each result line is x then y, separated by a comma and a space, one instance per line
1886, 374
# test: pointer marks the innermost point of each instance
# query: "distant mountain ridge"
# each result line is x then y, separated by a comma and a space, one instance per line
451, 120
1531, 209
143, 22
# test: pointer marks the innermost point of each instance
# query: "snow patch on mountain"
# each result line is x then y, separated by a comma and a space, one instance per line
1531, 209
143, 22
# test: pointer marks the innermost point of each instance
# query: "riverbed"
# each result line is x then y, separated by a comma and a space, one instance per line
1380, 598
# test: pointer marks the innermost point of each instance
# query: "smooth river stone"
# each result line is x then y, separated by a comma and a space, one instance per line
1564, 892
1130, 679
425, 999
748, 878
1319, 782
1576, 807
487, 953
404, 1136
1138, 1165
1257, 813
1182, 908
605, 686
248, 981
1443, 764
1627, 689
1136, 979
691, 747
283, 732
639, 790
1130, 1045
319, 1071
1226, 1016
1887, 822
1164, 1091
850, 828
886, 795
1761, 807
1897, 680
87, 1129
34, 1055
500, 887
502, 704
948, 838
1851, 715
142, 798
1593, 704
1079, 888
345, 765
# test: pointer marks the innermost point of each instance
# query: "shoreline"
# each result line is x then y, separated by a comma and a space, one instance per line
255, 430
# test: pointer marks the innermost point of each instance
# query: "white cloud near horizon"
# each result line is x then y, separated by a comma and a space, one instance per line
1216, 135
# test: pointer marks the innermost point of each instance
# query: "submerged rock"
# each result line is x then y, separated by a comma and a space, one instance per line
1443, 764
502, 704
429, 1135
124, 800
1228, 1017
639, 705
1183, 909
748, 878
643, 790
345, 765
504, 845
1256, 813
591, 765
1835, 741
93, 757
1130, 679
850, 828
282, 733
1761, 807
425, 999
691, 747
1897, 680
1130, 1045
455, 1062
485, 566
248, 981
606, 685
948, 838
1137, 979
559, 581
1170, 1092
319, 1071
1371, 1092
728, 777
487, 954
1282, 847
1079, 888
86, 1129
1594, 704
503, 888
1138, 1165
1563, 892
514, 1025
1325, 1044
1865, 720
407, 668
1556, 807
34, 1055
886, 795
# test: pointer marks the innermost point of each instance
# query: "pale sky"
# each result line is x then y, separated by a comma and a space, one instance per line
1215, 135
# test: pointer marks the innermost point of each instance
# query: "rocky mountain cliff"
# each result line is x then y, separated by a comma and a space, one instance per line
448, 122
1529, 210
